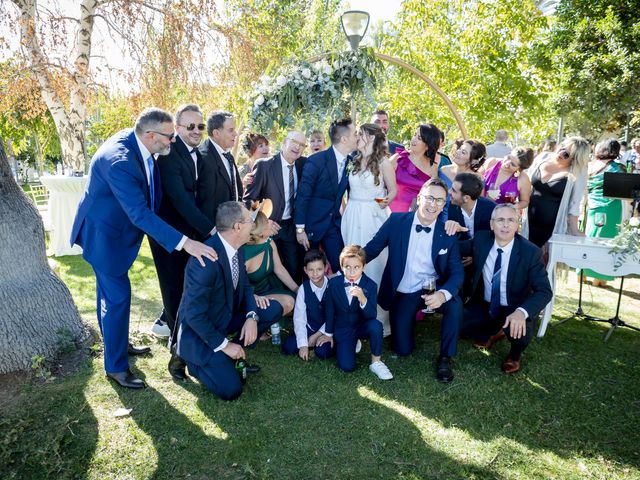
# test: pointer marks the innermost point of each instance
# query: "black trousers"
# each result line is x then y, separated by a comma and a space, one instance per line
479, 325
290, 251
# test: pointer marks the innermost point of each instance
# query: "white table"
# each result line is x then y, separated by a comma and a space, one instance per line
582, 252
64, 197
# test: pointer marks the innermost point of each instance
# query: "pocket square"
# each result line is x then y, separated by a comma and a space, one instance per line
443, 251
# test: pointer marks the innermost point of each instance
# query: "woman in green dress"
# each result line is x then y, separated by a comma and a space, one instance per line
604, 215
266, 273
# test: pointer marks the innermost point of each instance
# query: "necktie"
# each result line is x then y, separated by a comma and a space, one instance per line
194, 156
151, 185
292, 192
235, 270
494, 306
420, 228
232, 174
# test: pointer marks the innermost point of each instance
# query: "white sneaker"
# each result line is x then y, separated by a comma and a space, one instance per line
160, 329
358, 346
381, 370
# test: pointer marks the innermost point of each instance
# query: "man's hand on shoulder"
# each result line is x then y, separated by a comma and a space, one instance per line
200, 251
452, 227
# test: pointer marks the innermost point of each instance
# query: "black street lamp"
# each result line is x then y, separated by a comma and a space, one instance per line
354, 25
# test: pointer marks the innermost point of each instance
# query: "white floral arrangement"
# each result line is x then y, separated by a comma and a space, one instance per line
308, 93
626, 245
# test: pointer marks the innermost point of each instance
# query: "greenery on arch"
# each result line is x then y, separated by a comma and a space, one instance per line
306, 93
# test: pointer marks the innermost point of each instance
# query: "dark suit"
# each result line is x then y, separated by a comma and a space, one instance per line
210, 310
481, 217
217, 188
180, 208
268, 182
348, 322
393, 146
395, 233
113, 215
318, 202
527, 287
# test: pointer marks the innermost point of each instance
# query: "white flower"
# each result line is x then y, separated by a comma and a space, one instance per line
259, 100
281, 81
326, 69
634, 221
306, 73
273, 104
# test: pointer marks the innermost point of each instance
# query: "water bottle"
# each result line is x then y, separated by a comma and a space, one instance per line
630, 165
275, 334
241, 368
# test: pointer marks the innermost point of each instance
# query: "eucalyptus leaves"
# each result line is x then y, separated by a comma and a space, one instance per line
626, 245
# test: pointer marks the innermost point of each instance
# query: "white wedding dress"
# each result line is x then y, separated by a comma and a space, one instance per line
361, 220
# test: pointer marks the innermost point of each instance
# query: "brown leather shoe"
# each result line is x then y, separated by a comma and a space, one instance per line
510, 366
491, 342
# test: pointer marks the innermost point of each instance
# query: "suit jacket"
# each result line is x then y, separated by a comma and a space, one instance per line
481, 218
115, 212
269, 183
339, 313
216, 187
208, 305
395, 233
393, 146
527, 280
180, 206
320, 194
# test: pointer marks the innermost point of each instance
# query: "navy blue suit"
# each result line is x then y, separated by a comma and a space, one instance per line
527, 287
210, 310
445, 254
393, 146
318, 201
481, 217
348, 322
113, 215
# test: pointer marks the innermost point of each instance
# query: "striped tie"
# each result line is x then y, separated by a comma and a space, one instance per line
494, 307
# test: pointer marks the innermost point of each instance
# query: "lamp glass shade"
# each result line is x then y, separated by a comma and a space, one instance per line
355, 24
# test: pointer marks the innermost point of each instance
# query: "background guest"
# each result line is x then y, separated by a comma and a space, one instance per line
317, 142
504, 181
547, 149
559, 182
381, 118
468, 158
499, 148
255, 147
442, 158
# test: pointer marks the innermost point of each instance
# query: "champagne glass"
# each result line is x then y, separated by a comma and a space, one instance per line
379, 199
510, 197
494, 194
428, 288
600, 219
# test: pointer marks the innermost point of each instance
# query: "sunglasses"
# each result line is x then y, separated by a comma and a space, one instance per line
170, 136
564, 154
192, 126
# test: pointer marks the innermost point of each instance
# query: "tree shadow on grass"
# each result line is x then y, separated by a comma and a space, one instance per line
49, 431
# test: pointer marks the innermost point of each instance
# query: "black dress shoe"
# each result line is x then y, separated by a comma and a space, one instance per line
126, 379
253, 368
131, 350
177, 367
444, 373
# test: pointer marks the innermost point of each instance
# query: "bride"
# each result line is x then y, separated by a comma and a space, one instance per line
372, 186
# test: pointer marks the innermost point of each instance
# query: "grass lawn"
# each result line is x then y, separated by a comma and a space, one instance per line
573, 411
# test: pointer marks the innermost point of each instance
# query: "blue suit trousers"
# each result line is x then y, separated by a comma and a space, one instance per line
346, 338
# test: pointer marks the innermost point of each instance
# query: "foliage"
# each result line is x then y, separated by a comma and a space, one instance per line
40, 368
479, 54
592, 56
626, 245
308, 93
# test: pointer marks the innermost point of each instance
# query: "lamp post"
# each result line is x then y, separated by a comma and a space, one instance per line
354, 26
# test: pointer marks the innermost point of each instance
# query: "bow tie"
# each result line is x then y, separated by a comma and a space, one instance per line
420, 228
349, 284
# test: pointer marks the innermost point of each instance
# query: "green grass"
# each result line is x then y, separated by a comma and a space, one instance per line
573, 412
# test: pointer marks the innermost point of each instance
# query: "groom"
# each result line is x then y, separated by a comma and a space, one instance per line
419, 247
322, 185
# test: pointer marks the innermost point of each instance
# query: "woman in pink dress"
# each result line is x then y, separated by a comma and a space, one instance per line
504, 180
416, 166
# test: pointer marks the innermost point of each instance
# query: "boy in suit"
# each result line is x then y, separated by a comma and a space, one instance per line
350, 313
308, 315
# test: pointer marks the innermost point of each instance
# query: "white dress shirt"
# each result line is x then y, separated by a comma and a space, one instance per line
144, 151
286, 214
300, 312
227, 167
347, 291
419, 263
469, 219
487, 273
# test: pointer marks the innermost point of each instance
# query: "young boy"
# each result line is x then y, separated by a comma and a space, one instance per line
350, 313
308, 315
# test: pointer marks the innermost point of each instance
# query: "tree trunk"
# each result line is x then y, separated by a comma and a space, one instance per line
35, 305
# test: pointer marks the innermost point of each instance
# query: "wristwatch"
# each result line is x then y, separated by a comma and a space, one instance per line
252, 316
299, 229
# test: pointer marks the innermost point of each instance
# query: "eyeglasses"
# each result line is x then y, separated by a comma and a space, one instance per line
429, 199
295, 142
192, 126
507, 221
170, 136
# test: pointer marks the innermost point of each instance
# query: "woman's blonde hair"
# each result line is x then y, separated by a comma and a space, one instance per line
578, 149
259, 226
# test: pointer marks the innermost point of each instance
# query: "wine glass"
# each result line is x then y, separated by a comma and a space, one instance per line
600, 219
494, 194
510, 197
428, 288
379, 199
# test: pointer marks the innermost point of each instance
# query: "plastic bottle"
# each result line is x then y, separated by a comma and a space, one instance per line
275, 334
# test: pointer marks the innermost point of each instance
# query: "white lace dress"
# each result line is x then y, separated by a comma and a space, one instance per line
361, 220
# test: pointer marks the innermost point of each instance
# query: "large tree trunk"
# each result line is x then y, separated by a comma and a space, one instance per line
35, 305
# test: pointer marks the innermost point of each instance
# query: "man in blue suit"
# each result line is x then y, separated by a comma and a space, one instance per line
419, 247
510, 287
217, 301
320, 190
118, 207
